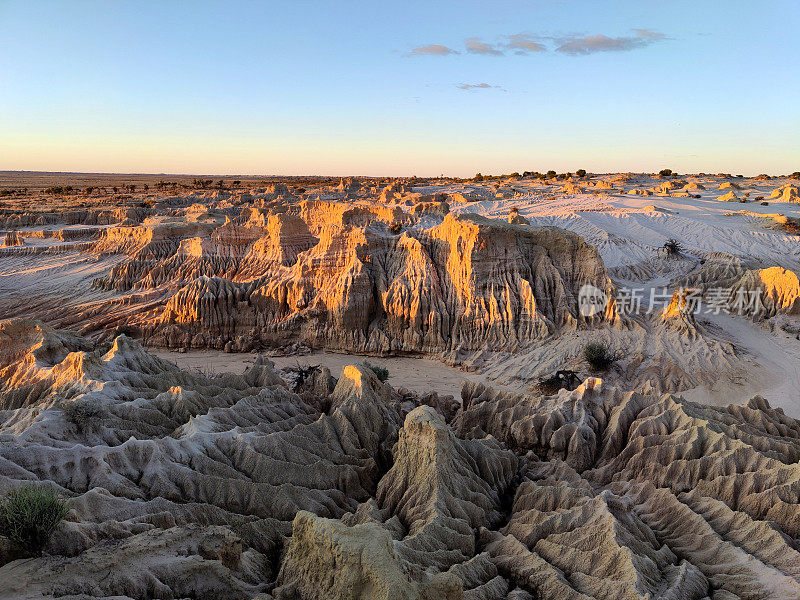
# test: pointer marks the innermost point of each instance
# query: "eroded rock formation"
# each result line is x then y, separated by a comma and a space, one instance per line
13, 238
185, 485
468, 283
403, 276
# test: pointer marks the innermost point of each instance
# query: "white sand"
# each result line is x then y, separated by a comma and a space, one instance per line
779, 378
625, 233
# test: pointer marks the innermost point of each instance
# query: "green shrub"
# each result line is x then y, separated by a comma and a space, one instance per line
665, 172
598, 356
581, 172
381, 372
29, 515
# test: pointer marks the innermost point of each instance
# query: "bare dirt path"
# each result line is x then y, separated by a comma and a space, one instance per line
418, 374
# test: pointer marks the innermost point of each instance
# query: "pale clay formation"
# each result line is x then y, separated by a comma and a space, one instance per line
256, 485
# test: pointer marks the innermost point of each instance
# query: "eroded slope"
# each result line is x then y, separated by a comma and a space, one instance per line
234, 486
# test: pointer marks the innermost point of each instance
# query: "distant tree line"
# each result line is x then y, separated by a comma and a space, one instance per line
530, 175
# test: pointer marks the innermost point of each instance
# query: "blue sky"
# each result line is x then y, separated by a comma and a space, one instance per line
423, 88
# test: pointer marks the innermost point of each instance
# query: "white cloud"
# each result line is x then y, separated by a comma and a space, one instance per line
524, 43
432, 50
468, 87
589, 44
528, 43
474, 45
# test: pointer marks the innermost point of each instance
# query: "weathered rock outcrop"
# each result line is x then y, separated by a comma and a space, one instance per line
13, 238
763, 293
243, 271
468, 283
345, 275
327, 559
788, 193
229, 487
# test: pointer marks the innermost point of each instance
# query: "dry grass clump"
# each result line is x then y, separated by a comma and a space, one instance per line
599, 356
672, 247
29, 515
84, 415
563, 379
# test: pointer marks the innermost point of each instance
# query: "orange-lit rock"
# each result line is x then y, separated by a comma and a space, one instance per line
468, 283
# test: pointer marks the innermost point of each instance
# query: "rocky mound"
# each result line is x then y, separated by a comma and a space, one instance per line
235, 487
729, 197
693, 186
788, 193
757, 293
770, 291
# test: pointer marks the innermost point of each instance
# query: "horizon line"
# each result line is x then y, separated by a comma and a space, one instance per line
364, 176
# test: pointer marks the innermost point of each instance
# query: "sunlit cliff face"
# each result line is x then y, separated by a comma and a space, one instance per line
463, 283
781, 288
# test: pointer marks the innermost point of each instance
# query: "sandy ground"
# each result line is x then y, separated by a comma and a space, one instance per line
779, 379
418, 374
627, 229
